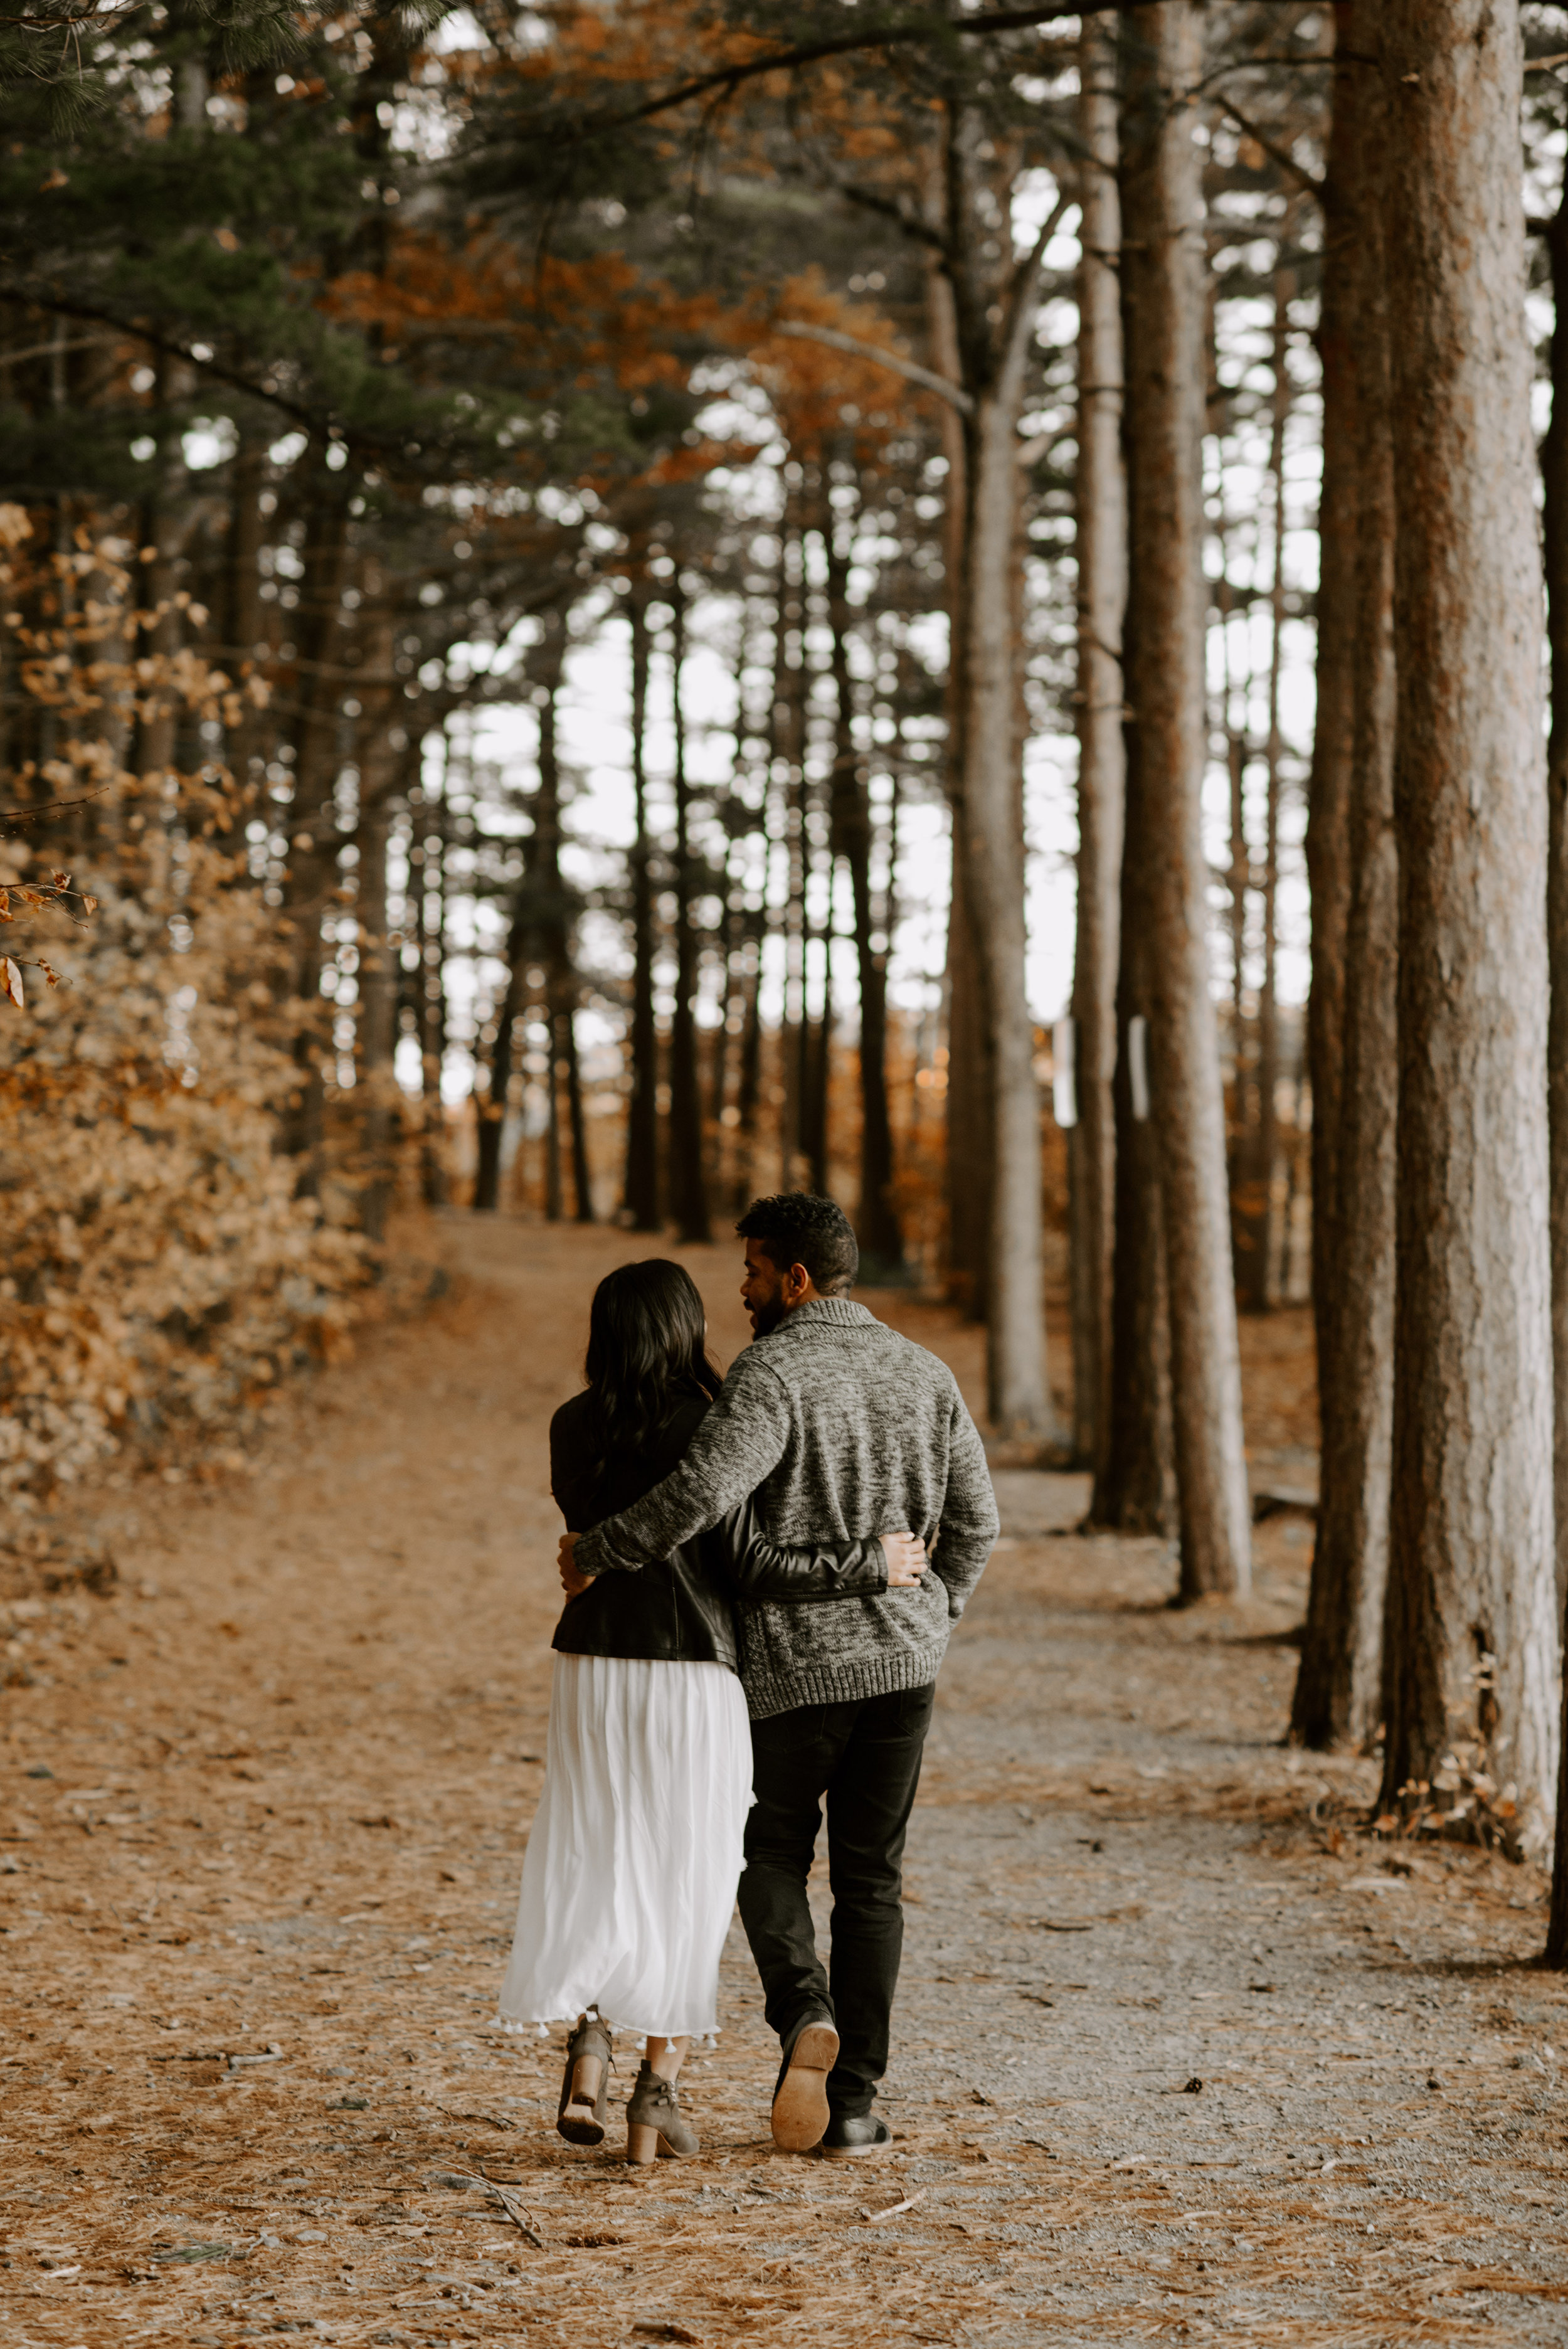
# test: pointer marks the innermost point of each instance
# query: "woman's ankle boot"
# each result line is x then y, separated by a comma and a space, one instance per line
654, 2122
584, 2091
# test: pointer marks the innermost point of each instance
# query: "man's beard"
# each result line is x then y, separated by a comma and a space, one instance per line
766, 1318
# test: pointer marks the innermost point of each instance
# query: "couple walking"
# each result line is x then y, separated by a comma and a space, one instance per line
732, 1552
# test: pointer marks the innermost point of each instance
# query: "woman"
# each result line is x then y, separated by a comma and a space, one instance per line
629, 1880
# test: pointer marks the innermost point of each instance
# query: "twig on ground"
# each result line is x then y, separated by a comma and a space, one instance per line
874, 2218
517, 2212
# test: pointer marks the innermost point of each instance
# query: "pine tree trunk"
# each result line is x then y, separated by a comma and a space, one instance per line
241, 609
577, 1123
1163, 293
1256, 1228
378, 1022
1328, 789
689, 1191
1338, 1690
789, 687
968, 1105
428, 878
749, 1085
641, 1193
1102, 781
1017, 1397
492, 1109
312, 862
1554, 518
1135, 1484
1473, 1616
876, 1223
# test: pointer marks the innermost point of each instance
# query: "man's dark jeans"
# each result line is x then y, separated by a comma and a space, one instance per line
864, 1756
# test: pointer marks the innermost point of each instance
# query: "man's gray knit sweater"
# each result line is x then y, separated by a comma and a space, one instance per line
844, 1430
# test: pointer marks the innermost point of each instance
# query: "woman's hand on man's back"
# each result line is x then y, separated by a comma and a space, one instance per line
906, 1560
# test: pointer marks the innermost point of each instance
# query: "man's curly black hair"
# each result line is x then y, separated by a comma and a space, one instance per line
800, 1228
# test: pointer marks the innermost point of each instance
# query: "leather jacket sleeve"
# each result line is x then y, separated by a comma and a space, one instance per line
738, 1552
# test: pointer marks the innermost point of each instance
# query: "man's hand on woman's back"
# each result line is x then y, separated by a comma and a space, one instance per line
572, 1581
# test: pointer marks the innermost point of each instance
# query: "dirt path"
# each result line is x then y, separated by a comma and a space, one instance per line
263, 1815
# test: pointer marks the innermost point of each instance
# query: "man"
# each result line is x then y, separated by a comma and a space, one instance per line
844, 1430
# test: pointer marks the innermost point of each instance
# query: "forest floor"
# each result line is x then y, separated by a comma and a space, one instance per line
1180, 2052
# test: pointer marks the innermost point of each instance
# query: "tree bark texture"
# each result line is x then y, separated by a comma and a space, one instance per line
1472, 1619
1102, 778
1555, 519
1162, 279
1338, 1690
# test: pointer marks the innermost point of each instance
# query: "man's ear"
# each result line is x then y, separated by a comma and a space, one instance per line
798, 1277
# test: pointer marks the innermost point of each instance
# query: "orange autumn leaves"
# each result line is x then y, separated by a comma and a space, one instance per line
605, 326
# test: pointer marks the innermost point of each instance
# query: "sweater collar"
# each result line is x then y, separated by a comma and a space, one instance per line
842, 1312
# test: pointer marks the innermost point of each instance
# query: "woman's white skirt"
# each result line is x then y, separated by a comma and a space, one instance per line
628, 1883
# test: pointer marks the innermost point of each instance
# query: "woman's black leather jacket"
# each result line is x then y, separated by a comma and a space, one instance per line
680, 1610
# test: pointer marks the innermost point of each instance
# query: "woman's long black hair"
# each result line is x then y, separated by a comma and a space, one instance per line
647, 1342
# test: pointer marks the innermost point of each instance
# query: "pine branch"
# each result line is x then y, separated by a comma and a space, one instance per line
1279, 155
725, 80
954, 394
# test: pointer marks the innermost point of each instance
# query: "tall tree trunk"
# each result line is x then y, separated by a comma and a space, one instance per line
1472, 1629
241, 607
577, 1119
1135, 1482
1017, 1394
313, 861
641, 1193
788, 730
378, 1022
554, 1189
749, 1087
548, 917
1255, 1256
1338, 1690
876, 1224
1554, 482
492, 1110
1328, 789
1102, 776
427, 858
1162, 278
969, 1106
990, 789
689, 1191
817, 1045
